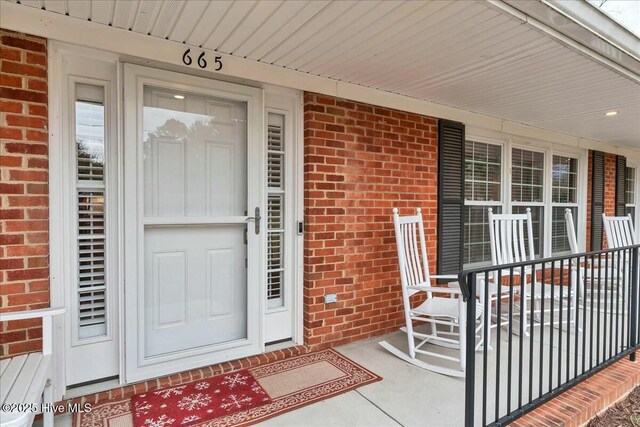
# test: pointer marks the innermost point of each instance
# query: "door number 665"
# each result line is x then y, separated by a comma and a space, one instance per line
201, 61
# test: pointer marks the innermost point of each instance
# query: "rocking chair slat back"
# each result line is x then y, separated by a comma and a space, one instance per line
507, 234
412, 251
619, 231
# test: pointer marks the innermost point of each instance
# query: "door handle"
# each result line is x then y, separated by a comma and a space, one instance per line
256, 218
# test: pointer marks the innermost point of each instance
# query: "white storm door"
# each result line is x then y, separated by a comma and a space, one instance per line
195, 257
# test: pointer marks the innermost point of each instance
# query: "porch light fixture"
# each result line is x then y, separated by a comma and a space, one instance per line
182, 97
611, 113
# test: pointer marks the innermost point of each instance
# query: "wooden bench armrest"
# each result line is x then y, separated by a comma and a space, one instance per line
31, 314
47, 323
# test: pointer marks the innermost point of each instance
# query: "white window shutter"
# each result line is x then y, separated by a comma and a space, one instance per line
90, 203
275, 210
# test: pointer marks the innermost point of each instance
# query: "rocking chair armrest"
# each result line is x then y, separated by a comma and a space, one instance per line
445, 276
437, 289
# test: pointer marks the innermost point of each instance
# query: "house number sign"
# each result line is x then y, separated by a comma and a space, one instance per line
201, 61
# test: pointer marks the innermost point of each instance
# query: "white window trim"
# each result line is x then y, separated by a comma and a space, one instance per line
546, 190
553, 204
508, 142
110, 195
504, 180
290, 103
635, 163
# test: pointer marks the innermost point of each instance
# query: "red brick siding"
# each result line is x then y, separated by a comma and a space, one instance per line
584, 401
360, 162
24, 201
609, 185
609, 191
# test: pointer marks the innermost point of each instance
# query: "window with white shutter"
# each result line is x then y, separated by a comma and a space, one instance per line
275, 210
90, 202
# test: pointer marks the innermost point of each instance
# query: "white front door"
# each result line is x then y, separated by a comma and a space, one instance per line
194, 256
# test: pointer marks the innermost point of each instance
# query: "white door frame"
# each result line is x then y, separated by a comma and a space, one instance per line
59, 193
66, 65
137, 366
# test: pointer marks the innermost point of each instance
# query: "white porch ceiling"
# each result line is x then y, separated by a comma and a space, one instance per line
463, 54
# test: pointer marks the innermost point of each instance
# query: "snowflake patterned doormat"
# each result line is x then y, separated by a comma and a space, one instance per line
238, 398
199, 401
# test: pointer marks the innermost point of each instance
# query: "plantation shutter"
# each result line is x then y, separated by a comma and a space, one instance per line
275, 210
621, 182
597, 199
90, 204
450, 196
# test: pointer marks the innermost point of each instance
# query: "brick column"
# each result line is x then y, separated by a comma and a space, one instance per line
24, 200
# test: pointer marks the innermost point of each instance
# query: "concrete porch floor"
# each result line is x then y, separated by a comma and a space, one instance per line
401, 398
407, 395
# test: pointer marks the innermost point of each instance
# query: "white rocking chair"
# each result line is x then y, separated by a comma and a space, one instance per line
593, 269
508, 245
435, 310
620, 233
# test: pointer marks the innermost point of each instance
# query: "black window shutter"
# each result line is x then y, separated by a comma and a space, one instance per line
597, 199
621, 182
450, 196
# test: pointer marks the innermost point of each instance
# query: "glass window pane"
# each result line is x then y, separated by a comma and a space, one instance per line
564, 180
537, 221
630, 196
477, 248
483, 165
483, 176
631, 210
527, 176
89, 132
559, 237
92, 286
195, 154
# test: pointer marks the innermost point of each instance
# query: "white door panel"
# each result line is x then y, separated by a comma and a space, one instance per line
195, 287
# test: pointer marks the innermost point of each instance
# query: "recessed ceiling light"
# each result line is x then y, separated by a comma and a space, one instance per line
182, 97
611, 113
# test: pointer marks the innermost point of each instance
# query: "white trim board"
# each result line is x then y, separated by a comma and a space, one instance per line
66, 65
149, 50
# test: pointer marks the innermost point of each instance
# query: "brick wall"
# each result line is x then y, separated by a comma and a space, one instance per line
609, 192
360, 162
609, 184
24, 213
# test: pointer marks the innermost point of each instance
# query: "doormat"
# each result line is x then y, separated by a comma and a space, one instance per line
288, 384
198, 401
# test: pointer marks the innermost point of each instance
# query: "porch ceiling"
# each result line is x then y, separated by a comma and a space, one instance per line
468, 55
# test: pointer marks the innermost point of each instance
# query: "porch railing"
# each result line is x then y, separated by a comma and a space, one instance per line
554, 322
